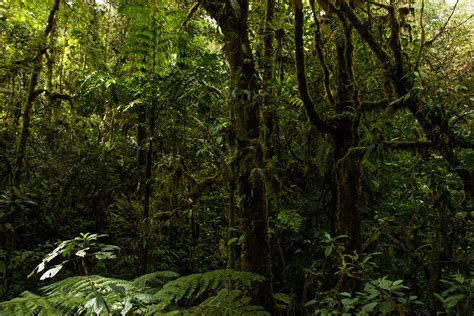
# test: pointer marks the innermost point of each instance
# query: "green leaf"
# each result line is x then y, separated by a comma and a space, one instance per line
452, 301
291, 219
102, 255
282, 297
16, 191
385, 308
97, 304
397, 282
236, 7
439, 297
369, 307
385, 284
347, 301
310, 303
328, 250
459, 278
232, 241
145, 298
117, 288
127, 306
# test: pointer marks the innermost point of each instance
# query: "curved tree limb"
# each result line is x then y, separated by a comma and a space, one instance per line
319, 51
313, 116
364, 32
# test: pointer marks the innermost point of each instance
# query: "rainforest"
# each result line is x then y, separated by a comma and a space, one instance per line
236, 157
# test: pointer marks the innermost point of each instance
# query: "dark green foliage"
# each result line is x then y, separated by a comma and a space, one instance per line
119, 77
227, 302
191, 288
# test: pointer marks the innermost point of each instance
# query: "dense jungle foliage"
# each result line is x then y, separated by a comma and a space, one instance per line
236, 157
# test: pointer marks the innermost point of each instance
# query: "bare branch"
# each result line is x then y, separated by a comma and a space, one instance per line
430, 42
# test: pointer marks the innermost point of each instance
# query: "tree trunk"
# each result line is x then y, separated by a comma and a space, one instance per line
348, 174
32, 94
10, 240
346, 138
248, 128
141, 191
271, 121
232, 255
435, 127
343, 127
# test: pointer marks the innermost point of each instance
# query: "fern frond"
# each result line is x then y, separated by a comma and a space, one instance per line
228, 302
296, 101
192, 288
220, 291
81, 285
28, 304
155, 279
82, 289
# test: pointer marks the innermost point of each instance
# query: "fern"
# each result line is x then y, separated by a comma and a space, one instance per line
296, 101
27, 304
80, 293
82, 285
191, 288
291, 220
156, 279
221, 291
227, 302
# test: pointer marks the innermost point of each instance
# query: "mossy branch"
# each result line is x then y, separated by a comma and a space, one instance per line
314, 117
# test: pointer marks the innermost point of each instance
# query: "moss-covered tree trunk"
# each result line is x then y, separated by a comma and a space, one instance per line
348, 175
32, 95
400, 71
33, 92
248, 130
343, 127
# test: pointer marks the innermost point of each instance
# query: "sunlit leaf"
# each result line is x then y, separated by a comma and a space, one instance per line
82, 253
51, 272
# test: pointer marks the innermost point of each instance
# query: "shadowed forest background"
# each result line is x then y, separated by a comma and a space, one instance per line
236, 157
